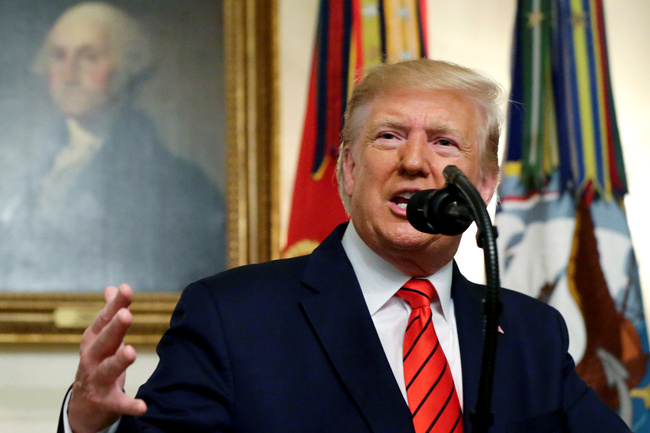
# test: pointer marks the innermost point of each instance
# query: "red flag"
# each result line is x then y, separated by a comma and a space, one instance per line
348, 35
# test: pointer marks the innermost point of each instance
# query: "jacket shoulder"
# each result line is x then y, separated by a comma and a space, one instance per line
274, 270
261, 280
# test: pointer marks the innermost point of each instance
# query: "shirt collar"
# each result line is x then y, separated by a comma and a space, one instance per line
379, 280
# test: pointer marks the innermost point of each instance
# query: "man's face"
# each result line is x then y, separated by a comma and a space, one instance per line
408, 137
81, 67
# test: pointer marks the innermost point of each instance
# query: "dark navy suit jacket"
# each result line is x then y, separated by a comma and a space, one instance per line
289, 346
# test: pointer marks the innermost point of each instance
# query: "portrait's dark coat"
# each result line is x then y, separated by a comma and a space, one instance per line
133, 213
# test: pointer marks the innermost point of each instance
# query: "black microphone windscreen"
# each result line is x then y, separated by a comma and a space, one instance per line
443, 211
416, 211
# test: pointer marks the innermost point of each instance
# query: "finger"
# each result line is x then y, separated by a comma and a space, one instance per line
110, 338
123, 404
116, 299
109, 293
124, 292
110, 370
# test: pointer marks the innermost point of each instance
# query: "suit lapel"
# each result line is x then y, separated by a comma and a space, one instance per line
339, 316
468, 303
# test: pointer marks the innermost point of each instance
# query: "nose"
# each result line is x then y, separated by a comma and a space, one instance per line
70, 70
414, 157
65, 69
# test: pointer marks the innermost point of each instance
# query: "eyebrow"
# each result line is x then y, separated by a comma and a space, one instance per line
392, 121
396, 122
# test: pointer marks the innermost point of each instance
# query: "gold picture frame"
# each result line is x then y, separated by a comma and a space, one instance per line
251, 192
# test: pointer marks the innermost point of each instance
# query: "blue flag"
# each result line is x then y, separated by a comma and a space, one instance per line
563, 231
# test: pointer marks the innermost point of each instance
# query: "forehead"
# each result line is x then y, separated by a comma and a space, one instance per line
426, 108
77, 31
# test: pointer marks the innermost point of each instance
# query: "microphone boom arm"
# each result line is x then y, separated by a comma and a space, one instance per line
450, 211
486, 236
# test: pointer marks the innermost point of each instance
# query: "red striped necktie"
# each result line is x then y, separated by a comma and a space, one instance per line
429, 384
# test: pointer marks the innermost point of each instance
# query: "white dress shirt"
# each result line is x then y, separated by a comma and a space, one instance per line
380, 281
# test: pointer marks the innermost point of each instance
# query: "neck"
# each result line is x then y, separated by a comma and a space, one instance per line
95, 123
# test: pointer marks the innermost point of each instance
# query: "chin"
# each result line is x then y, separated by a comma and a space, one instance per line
74, 109
407, 238
78, 103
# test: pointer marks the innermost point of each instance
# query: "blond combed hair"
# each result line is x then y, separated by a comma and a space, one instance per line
424, 74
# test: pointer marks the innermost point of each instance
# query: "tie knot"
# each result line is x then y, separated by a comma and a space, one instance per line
417, 292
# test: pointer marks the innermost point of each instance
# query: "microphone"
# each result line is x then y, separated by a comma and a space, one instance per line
444, 211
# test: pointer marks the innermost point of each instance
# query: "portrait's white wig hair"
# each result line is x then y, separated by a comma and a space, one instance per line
129, 44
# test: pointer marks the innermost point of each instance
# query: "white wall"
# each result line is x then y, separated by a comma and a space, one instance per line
33, 384
471, 32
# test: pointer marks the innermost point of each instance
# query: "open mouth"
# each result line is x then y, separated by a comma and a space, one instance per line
402, 199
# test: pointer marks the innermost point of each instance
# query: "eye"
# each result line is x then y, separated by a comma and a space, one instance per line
445, 142
90, 56
387, 136
386, 139
57, 55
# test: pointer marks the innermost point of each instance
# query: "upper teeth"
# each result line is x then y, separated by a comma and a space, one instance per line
406, 196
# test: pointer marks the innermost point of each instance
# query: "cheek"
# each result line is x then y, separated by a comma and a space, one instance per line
99, 77
484, 181
381, 166
373, 169
55, 76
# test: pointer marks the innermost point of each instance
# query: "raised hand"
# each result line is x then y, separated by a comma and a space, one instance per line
98, 399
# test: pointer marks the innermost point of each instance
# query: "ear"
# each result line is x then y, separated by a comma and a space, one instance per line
348, 171
489, 179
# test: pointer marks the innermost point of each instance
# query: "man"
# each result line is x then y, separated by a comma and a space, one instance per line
101, 196
323, 343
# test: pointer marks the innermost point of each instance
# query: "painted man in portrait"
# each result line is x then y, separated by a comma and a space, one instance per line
101, 199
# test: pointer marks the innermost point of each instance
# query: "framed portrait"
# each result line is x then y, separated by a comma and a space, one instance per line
138, 147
